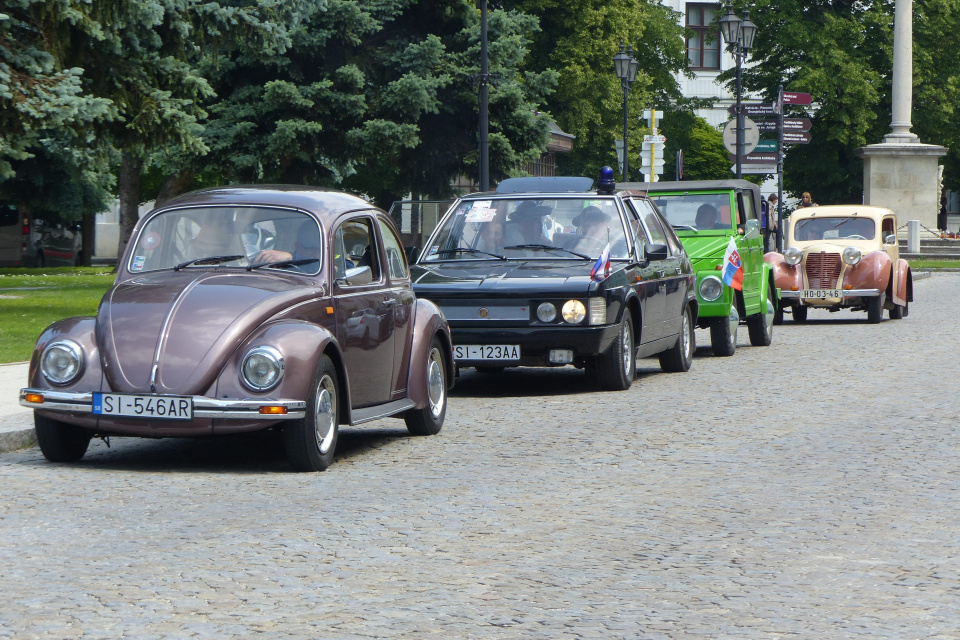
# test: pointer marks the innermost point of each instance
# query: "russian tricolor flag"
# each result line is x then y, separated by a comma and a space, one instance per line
733, 267
601, 268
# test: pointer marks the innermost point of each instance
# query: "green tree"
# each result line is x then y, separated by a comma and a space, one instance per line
704, 156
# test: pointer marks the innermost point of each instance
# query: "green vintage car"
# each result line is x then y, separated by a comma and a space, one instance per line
706, 214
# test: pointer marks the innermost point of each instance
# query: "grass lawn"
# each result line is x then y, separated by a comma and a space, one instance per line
32, 299
930, 263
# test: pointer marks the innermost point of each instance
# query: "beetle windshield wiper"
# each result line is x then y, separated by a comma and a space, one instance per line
547, 247
283, 263
471, 250
210, 260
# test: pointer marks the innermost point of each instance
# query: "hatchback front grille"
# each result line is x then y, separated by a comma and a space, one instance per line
823, 270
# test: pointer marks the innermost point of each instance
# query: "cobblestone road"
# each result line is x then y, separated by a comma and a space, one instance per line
805, 490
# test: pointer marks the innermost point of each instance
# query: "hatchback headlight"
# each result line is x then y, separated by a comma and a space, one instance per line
792, 256
262, 368
711, 288
851, 255
61, 362
546, 312
573, 311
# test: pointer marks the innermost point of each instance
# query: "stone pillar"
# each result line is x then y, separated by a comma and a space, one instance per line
901, 173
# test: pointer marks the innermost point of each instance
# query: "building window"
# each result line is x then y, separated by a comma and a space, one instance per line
545, 165
703, 41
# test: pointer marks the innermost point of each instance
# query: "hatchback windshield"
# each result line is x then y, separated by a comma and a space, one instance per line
835, 228
229, 236
697, 211
509, 228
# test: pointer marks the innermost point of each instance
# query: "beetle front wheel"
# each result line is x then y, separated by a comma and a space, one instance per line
60, 442
311, 441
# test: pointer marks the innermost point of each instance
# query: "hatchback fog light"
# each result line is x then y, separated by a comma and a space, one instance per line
546, 312
262, 368
61, 361
851, 255
792, 256
598, 311
711, 288
574, 312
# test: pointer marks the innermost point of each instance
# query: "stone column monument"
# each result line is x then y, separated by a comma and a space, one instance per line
900, 173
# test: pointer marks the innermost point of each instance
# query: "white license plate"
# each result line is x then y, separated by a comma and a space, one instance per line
821, 294
156, 407
486, 352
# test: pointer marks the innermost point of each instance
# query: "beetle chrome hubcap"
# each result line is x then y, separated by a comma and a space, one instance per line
436, 391
626, 343
325, 416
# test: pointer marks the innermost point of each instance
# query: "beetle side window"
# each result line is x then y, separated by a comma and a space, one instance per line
355, 247
396, 258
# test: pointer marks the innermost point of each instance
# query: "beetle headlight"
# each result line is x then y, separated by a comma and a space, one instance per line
573, 311
62, 361
262, 368
792, 256
546, 312
711, 288
851, 255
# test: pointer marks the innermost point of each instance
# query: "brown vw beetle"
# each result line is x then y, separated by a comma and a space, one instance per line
237, 309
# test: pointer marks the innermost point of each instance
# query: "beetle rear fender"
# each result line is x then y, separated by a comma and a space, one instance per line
428, 322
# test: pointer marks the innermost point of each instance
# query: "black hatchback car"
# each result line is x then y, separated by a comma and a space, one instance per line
550, 272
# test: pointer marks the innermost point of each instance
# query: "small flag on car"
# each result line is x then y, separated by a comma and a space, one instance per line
601, 268
732, 267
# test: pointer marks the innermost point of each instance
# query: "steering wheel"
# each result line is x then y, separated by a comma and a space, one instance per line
854, 237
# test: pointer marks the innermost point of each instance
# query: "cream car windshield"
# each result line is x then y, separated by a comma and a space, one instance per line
528, 228
695, 211
834, 228
201, 237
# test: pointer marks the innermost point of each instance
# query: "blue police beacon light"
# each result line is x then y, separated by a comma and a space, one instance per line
607, 183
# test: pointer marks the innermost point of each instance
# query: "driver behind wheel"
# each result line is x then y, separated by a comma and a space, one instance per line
307, 247
593, 227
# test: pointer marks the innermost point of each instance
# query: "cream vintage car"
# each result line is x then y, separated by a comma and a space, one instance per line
842, 257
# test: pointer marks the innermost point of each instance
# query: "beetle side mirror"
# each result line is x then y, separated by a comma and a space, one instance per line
890, 239
751, 230
655, 251
358, 275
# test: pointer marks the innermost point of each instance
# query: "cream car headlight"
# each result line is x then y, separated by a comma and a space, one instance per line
711, 288
62, 361
546, 312
851, 255
792, 256
262, 368
573, 311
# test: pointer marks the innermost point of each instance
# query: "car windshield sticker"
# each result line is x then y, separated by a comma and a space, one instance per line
482, 204
435, 248
137, 263
480, 215
151, 241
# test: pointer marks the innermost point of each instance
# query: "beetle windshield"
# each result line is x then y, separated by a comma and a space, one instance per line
550, 228
205, 237
696, 211
834, 228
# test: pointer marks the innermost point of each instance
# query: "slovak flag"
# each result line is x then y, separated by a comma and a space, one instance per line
601, 268
732, 267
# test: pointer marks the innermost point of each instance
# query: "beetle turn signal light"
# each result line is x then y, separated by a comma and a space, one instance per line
36, 398
271, 410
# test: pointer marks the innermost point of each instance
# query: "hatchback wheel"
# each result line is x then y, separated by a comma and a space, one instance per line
680, 356
617, 367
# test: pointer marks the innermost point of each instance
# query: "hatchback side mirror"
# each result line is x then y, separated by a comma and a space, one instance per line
655, 251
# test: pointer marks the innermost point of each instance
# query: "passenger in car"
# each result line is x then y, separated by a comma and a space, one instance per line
592, 228
529, 225
707, 217
491, 237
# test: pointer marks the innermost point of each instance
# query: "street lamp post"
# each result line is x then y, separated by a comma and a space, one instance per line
626, 67
738, 35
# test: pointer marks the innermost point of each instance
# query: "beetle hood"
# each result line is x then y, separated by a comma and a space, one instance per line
536, 277
194, 321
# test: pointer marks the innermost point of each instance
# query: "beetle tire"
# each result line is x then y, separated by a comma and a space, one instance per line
800, 314
60, 442
429, 420
679, 357
760, 327
617, 366
311, 441
722, 339
875, 309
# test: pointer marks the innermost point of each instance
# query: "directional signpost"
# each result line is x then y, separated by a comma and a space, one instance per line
789, 124
651, 155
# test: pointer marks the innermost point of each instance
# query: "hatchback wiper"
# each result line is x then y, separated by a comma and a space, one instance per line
283, 263
471, 250
547, 247
210, 260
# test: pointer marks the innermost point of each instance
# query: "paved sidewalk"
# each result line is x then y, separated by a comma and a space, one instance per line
16, 422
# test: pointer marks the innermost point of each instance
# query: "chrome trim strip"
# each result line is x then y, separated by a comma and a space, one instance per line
163, 331
203, 407
847, 293
359, 416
